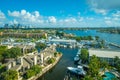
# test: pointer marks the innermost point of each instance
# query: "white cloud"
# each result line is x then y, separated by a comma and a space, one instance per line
89, 18
36, 19
26, 17
37, 14
101, 11
116, 19
13, 22
107, 18
52, 19
108, 22
71, 20
23, 12
2, 15
81, 19
14, 14
78, 13
102, 6
117, 14
2, 18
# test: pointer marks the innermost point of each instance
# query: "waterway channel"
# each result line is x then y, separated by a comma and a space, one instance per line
59, 71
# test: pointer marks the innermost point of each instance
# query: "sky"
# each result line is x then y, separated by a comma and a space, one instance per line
61, 13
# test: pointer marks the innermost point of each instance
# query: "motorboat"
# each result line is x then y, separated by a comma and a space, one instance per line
79, 52
76, 58
79, 62
78, 71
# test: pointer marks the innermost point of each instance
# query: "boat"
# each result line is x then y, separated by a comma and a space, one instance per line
78, 71
76, 58
71, 46
79, 62
65, 46
79, 52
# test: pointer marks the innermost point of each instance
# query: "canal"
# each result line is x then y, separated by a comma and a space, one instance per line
58, 72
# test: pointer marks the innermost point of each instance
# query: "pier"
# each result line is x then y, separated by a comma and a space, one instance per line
113, 44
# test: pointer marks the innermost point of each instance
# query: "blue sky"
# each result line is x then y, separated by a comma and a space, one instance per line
61, 13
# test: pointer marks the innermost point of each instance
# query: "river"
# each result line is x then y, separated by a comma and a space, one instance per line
59, 71
115, 38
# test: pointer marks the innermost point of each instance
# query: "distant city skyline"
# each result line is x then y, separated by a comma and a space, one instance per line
61, 13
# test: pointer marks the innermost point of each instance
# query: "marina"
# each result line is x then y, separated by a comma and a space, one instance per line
69, 54
60, 40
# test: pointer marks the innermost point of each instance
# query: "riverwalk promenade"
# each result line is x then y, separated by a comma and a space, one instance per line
46, 68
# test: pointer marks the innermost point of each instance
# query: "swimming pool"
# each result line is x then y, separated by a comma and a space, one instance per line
109, 76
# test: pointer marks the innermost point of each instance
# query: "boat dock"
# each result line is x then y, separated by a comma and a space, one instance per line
113, 44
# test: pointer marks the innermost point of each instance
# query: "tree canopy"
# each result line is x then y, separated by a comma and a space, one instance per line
117, 63
94, 66
9, 75
34, 70
41, 45
13, 52
84, 55
51, 60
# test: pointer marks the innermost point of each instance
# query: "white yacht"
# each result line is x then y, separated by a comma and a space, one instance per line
79, 70
76, 58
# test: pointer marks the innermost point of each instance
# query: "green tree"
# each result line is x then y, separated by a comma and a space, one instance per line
84, 55
104, 64
88, 77
117, 63
41, 45
2, 50
1, 58
55, 54
94, 66
9, 75
15, 52
2, 68
78, 38
59, 33
51, 60
97, 38
29, 73
90, 38
7, 54
37, 69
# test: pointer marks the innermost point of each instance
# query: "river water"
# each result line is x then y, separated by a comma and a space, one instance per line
115, 38
59, 71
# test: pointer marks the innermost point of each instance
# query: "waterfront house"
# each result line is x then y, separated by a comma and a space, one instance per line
25, 62
26, 48
47, 53
105, 55
21, 64
31, 59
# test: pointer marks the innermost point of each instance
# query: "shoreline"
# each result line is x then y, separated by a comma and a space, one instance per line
46, 68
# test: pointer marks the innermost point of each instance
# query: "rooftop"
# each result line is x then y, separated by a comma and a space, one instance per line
104, 53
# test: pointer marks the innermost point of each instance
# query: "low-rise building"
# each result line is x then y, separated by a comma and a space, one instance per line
105, 55
25, 62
